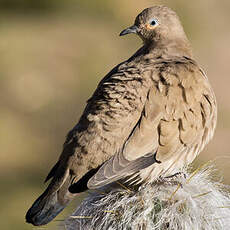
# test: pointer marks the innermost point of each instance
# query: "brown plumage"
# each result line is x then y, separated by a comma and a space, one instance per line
149, 117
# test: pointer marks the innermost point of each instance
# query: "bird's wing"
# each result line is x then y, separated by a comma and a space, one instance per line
175, 118
138, 151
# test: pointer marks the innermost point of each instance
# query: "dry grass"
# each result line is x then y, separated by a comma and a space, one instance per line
198, 203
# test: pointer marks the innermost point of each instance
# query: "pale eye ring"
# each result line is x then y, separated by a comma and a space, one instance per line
153, 22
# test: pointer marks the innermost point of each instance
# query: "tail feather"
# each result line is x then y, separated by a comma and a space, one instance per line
44, 209
52, 171
51, 202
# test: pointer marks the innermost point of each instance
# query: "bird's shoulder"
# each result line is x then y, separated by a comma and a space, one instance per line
186, 98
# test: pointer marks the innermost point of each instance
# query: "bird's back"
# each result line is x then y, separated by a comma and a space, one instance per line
162, 105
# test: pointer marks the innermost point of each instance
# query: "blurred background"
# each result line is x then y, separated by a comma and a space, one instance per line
52, 55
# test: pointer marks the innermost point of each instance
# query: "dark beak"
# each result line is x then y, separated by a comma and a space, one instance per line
130, 30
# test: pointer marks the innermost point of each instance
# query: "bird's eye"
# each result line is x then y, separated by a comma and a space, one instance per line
153, 22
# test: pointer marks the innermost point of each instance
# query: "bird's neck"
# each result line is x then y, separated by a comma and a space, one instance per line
166, 50
169, 48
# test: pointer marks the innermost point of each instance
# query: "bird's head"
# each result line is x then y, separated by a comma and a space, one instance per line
157, 25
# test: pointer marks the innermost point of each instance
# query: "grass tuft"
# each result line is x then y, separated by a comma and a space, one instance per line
177, 203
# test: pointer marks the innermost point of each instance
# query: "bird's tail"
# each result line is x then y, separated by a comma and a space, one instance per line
55, 198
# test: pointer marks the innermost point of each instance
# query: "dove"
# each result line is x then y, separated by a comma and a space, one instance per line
149, 117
